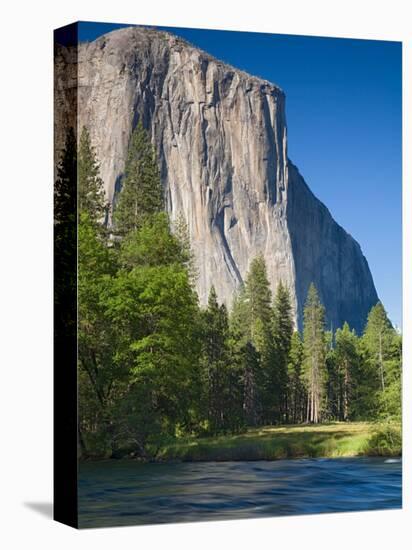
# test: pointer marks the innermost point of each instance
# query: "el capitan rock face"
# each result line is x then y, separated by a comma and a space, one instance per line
220, 135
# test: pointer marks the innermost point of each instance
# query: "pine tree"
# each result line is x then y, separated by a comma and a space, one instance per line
153, 244
296, 388
250, 368
215, 359
90, 185
257, 292
282, 336
181, 231
314, 350
245, 358
257, 300
382, 354
377, 338
141, 195
332, 390
239, 317
242, 371
347, 359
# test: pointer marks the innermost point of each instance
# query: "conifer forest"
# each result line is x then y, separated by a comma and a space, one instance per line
155, 367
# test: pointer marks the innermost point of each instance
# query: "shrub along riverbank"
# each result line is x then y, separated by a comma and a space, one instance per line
339, 439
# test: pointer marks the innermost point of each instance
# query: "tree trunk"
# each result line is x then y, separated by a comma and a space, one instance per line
346, 393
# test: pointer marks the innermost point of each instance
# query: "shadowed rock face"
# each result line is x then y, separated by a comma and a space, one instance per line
325, 254
221, 139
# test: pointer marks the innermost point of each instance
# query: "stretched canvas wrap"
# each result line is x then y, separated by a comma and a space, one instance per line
227, 333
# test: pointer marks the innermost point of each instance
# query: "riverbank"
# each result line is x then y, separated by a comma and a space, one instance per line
338, 439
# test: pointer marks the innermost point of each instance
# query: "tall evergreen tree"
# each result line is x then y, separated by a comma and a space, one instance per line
250, 373
314, 350
215, 360
391, 399
141, 195
282, 336
382, 354
181, 231
242, 370
257, 293
90, 185
296, 388
333, 383
346, 357
245, 358
257, 299
378, 338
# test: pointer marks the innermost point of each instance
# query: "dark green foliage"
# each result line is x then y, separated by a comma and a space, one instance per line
250, 364
257, 295
331, 409
242, 372
65, 184
378, 341
259, 350
282, 337
215, 363
254, 350
90, 185
65, 238
314, 371
386, 439
382, 353
296, 391
141, 195
343, 364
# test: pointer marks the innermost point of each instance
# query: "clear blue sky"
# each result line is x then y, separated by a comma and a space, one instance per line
344, 115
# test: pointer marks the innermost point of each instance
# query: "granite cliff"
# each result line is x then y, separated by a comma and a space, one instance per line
221, 140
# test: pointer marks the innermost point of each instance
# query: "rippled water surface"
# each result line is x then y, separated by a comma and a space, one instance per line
130, 493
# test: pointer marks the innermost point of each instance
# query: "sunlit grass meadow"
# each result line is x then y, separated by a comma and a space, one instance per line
332, 440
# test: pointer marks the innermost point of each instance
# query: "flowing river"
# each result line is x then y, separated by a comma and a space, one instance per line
131, 493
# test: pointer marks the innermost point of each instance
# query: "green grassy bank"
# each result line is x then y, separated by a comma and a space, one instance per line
303, 441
